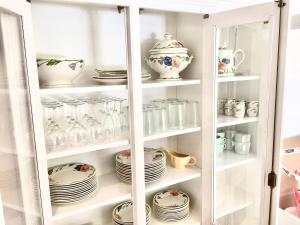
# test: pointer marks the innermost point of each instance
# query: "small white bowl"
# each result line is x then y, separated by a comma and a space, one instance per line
58, 71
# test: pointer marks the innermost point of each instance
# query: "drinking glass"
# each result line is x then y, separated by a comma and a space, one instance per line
148, 121
192, 113
77, 132
160, 120
176, 115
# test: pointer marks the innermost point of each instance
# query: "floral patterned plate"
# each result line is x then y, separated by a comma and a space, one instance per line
70, 173
122, 213
171, 199
151, 156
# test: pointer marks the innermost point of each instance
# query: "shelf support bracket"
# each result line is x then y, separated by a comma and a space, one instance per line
120, 8
281, 3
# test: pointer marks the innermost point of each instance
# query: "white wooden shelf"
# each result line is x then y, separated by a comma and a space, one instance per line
237, 78
21, 209
224, 121
84, 88
174, 176
193, 219
86, 149
157, 84
229, 159
110, 191
171, 133
233, 201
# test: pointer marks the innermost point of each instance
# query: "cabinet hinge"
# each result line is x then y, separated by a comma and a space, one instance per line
272, 178
205, 16
281, 3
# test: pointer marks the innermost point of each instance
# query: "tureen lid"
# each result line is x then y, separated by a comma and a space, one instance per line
169, 44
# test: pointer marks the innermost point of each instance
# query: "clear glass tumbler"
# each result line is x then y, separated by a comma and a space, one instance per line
160, 120
176, 115
193, 114
148, 121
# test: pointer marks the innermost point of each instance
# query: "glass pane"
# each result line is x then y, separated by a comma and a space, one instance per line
240, 144
19, 188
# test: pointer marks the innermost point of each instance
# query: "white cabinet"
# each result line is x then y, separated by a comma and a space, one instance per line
224, 186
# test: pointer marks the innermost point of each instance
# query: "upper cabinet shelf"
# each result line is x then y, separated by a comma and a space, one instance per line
85, 88
237, 78
157, 84
82, 89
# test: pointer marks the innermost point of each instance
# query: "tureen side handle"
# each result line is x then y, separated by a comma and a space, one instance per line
191, 58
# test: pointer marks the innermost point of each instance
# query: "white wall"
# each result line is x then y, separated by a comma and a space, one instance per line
291, 125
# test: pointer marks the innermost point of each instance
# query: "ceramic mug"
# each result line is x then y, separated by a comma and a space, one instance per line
229, 144
228, 107
221, 103
229, 134
251, 104
242, 148
221, 134
181, 160
219, 148
239, 109
226, 66
241, 137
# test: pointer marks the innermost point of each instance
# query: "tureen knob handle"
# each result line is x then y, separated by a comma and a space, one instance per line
168, 36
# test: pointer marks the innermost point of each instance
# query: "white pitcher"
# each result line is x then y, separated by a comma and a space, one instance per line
227, 63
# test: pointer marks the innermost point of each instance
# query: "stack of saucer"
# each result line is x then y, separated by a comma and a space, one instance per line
116, 76
155, 165
111, 76
122, 214
71, 182
171, 205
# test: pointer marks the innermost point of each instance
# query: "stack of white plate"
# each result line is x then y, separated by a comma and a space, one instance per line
122, 214
116, 76
155, 165
72, 182
171, 205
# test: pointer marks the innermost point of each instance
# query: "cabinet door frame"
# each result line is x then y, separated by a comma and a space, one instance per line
263, 12
22, 9
291, 6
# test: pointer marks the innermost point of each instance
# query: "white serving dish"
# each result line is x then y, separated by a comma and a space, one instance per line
58, 71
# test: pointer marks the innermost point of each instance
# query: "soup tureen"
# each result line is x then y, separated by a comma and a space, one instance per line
168, 57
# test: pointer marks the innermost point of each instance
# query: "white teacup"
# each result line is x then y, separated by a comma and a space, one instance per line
242, 148
228, 107
252, 112
241, 137
239, 109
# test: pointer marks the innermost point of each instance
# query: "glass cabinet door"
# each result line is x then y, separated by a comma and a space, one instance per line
19, 187
244, 84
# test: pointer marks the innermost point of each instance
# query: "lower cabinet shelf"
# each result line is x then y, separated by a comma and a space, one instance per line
232, 201
111, 191
229, 159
